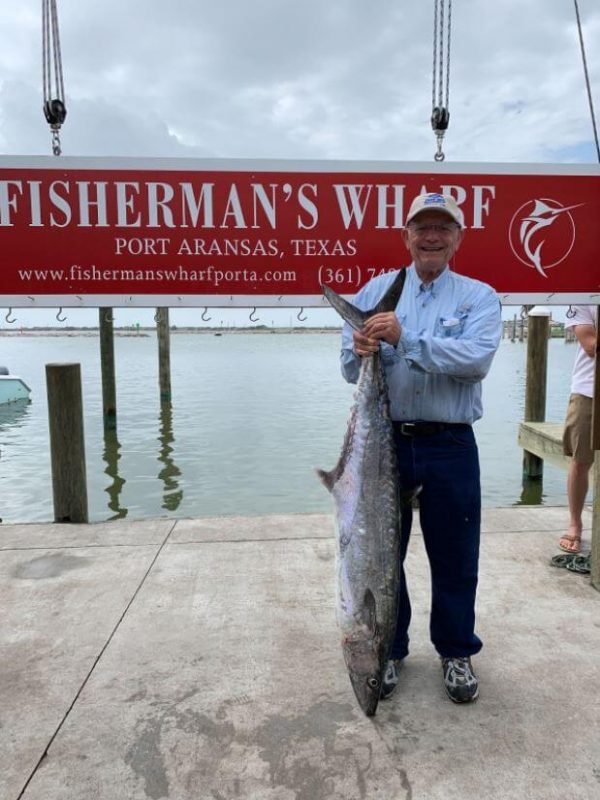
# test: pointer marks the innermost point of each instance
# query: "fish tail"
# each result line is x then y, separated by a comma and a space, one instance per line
353, 315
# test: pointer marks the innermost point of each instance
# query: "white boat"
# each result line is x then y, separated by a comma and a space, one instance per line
12, 388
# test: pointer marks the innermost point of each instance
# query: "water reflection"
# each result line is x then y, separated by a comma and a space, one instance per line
172, 494
532, 493
14, 413
112, 456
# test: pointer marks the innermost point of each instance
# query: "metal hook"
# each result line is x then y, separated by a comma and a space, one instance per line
58, 315
10, 321
251, 317
299, 317
203, 317
109, 317
157, 315
570, 312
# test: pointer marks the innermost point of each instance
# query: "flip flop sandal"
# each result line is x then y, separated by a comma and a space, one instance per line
575, 540
580, 564
562, 559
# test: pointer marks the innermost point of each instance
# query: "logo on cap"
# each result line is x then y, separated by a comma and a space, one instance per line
435, 199
542, 233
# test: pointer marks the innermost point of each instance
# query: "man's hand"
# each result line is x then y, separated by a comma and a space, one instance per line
384, 326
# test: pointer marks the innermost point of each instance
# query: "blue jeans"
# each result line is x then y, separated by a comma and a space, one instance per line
446, 465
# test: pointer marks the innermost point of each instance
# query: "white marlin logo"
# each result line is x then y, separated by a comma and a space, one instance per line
542, 215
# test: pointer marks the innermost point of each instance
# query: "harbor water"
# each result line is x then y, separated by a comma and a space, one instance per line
252, 415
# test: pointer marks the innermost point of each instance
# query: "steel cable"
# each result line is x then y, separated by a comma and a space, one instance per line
440, 94
55, 109
587, 78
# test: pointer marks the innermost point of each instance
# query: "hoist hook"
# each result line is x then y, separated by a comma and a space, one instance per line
439, 123
10, 321
58, 315
301, 318
252, 319
525, 311
204, 318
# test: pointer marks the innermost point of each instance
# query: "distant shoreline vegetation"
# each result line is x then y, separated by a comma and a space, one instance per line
512, 329
141, 330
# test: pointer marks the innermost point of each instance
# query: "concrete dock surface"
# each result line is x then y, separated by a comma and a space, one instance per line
200, 659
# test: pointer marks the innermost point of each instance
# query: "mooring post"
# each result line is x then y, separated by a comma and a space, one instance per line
164, 354
67, 446
107, 364
595, 556
535, 382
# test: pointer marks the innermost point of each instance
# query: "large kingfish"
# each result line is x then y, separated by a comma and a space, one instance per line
364, 484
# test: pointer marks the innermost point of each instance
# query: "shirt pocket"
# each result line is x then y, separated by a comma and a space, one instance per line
450, 327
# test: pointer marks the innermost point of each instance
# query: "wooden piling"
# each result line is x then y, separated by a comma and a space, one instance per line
107, 364
164, 354
67, 446
535, 388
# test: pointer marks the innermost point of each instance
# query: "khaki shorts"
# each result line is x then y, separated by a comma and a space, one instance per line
577, 437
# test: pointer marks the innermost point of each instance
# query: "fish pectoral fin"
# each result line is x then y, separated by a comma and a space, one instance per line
327, 478
368, 612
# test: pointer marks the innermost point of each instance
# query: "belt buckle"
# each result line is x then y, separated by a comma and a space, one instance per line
408, 428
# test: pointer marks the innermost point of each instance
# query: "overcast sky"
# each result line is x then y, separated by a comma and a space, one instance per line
315, 79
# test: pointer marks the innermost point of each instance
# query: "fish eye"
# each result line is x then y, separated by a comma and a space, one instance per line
373, 683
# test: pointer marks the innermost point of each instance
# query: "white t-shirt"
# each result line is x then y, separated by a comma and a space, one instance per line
582, 381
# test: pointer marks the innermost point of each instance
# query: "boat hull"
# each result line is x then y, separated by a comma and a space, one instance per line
13, 390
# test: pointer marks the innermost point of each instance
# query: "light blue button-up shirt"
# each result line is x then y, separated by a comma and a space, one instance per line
450, 332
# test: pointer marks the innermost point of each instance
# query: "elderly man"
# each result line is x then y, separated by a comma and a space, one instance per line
436, 346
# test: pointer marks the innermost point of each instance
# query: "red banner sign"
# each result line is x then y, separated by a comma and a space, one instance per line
221, 233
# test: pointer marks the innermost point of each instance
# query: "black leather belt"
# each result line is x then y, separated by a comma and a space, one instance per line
427, 428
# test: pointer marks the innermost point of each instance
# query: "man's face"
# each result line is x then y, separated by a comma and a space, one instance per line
432, 238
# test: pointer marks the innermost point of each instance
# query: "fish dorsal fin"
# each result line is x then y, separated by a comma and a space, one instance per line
353, 315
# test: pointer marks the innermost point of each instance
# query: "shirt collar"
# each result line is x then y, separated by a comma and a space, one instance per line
435, 286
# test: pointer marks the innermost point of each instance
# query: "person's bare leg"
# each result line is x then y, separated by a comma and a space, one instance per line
577, 487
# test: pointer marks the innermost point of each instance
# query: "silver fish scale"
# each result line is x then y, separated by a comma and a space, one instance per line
367, 512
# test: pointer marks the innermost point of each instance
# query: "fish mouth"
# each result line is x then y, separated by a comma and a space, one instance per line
367, 691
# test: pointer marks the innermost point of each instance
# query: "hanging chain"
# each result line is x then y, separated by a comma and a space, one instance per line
587, 79
55, 110
440, 95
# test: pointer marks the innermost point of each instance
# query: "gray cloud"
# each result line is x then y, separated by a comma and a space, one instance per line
266, 78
